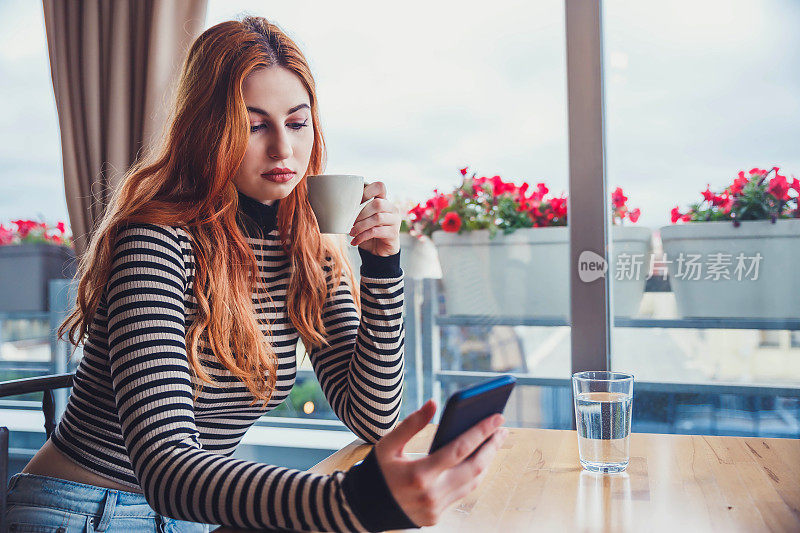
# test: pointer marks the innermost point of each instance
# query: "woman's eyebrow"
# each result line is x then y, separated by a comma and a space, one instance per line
262, 112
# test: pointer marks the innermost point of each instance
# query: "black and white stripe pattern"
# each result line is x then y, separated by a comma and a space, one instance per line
131, 416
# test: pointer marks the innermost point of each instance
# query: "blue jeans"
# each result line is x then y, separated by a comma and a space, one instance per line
48, 504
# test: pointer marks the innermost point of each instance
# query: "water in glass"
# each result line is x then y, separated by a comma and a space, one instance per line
603, 405
604, 428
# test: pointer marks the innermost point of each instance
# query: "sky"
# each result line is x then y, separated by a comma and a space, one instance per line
694, 92
31, 182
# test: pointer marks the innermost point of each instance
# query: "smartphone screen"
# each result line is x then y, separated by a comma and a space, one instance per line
467, 407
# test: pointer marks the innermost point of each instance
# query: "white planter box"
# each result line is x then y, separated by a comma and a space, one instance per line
418, 258
629, 289
526, 273
774, 293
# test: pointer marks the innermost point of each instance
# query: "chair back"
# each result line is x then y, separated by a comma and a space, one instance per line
46, 385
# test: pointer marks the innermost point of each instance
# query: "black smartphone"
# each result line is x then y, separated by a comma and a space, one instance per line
467, 407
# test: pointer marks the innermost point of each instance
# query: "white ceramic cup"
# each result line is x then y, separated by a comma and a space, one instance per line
335, 200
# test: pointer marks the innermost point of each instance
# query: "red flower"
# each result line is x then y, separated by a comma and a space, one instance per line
727, 203
441, 202
540, 191
778, 187
437, 203
60, 227
526, 204
418, 212
559, 207
497, 185
739, 183
6, 235
675, 214
24, 227
451, 222
719, 200
477, 185
464, 171
500, 187
796, 185
708, 196
618, 198
634, 215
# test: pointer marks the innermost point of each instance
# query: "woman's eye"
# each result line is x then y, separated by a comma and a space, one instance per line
293, 125
298, 125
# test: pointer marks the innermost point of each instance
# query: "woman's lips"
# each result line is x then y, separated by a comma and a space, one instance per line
279, 178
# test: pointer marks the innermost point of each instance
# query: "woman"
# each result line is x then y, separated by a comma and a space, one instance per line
207, 268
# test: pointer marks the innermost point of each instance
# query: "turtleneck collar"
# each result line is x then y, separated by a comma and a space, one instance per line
259, 218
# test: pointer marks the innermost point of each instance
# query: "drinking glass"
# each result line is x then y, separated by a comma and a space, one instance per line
603, 402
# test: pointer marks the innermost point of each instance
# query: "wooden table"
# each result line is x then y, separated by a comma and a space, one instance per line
676, 483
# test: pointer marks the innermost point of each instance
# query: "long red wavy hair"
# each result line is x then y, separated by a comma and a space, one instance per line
187, 181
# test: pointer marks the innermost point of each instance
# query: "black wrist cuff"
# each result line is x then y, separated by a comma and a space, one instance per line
376, 266
370, 498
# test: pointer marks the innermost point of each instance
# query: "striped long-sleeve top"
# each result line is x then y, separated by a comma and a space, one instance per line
131, 416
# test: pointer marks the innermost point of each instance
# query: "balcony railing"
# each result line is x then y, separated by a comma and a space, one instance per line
423, 358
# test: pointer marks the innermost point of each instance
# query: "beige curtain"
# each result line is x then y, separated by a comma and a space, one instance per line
114, 64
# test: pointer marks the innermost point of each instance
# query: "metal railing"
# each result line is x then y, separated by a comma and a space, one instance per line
425, 348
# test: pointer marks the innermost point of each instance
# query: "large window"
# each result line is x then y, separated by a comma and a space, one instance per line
412, 94
687, 102
696, 93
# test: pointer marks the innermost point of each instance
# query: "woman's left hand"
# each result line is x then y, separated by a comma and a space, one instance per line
377, 226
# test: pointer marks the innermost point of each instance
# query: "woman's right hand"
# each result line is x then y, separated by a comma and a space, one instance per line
425, 488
